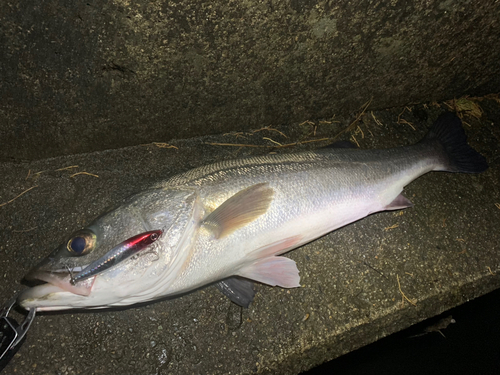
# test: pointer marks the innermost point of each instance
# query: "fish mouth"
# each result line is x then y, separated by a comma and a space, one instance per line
60, 281
57, 293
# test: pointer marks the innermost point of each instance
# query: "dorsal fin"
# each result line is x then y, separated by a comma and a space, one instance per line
341, 144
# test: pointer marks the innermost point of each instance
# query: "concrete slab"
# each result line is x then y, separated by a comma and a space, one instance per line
84, 76
441, 253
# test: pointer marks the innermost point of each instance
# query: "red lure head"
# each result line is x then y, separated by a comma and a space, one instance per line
144, 239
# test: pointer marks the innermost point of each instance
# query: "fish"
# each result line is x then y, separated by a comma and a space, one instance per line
229, 223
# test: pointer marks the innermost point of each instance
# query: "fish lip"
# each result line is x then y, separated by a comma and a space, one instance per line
62, 280
39, 275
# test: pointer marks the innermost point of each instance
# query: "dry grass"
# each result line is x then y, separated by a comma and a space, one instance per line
13, 199
403, 296
268, 146
83, 173
402, 120
465, 107
354, 124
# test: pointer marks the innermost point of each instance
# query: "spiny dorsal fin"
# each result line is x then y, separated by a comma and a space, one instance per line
341, 144
239, 210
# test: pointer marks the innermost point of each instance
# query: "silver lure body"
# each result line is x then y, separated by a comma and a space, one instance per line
306, 196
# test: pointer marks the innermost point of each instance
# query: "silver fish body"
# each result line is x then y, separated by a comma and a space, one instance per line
234, 218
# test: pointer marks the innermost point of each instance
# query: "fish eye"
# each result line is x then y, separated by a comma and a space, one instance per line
81, 243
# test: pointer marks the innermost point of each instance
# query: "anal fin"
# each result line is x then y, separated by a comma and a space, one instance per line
273, 271
399, 203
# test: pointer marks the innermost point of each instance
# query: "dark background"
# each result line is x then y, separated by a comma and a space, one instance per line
471, 346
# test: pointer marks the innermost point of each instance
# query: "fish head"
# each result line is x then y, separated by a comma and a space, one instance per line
139, 278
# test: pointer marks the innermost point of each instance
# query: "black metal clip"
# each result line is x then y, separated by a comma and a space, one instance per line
11, 333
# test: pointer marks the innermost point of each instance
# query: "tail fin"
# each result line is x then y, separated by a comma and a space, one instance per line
449, 132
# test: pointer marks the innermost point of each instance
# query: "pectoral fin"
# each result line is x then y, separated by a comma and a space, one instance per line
239, 210
273, 271
240, 291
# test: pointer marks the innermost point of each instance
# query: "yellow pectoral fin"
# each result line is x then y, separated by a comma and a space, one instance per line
239, 210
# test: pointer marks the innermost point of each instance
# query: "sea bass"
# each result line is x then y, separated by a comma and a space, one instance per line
228, 223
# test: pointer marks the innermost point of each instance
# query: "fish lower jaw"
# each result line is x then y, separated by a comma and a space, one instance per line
40, 295
48, 297
63, 282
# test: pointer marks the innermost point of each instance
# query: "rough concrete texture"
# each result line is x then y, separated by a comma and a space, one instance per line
444, 250
81, 76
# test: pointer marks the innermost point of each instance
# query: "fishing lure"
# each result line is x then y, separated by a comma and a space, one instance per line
117, 254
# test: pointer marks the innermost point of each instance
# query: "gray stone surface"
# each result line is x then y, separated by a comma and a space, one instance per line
80, 76
445, 252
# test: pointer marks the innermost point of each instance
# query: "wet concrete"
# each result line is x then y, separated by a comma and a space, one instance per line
81, 76
444, 251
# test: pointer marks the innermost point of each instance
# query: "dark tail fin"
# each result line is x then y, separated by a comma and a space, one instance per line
449, 132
